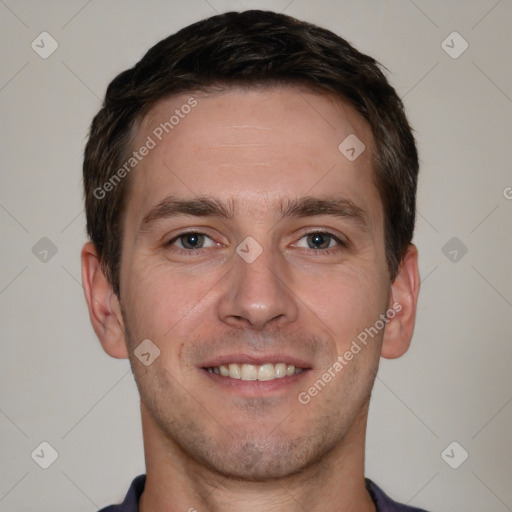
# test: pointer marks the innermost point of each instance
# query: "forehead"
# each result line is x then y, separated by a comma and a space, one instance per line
251, 145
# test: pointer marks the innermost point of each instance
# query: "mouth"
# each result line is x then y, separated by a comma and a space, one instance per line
256, 374
260, 372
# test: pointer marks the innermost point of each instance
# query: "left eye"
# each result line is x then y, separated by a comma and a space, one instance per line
318, 240
192, 241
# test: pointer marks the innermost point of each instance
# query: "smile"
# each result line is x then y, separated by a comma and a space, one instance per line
263, 372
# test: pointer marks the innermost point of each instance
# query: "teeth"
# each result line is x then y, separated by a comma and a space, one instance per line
280, 370
249, 372
234, 371
267, 371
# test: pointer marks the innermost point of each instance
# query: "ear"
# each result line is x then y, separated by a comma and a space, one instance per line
103, 304
403, 299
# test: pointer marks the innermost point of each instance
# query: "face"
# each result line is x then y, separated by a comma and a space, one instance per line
251, 244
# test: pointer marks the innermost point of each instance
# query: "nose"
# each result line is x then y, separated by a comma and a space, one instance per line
258, 293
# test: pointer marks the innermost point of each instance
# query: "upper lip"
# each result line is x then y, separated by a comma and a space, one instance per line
256, 360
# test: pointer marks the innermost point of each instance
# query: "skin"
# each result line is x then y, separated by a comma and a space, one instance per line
211, 446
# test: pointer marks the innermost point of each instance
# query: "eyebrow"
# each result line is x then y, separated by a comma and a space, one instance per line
340, 207
307, 206
198, 207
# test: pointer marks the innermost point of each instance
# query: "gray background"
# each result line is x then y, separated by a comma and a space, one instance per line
455, 382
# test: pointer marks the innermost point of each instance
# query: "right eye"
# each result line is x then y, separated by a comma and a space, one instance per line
191, 241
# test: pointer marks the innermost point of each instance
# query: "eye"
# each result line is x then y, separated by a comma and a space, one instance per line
319, 240
191, 241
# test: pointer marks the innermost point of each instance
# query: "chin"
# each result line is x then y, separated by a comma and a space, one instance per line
270, 458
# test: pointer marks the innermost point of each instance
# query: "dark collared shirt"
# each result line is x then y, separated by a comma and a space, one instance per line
382, 501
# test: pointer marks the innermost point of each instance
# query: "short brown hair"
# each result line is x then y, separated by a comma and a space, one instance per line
250, 48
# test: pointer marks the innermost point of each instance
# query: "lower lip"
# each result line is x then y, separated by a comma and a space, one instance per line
255, 387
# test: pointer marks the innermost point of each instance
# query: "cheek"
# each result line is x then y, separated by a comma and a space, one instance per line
351, 303
158, 300
346, 300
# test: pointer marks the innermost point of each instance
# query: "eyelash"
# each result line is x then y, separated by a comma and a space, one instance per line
341, 243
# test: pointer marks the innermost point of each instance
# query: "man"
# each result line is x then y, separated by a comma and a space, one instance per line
250, 194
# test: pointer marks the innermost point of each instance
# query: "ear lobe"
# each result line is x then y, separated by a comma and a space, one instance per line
104, 307
403, 298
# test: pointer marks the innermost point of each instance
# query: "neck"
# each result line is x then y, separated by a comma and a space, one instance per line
175, 481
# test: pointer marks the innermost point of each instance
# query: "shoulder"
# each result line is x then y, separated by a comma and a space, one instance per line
384, 503
131, 501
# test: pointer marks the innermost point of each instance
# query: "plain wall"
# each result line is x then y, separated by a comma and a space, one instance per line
455, 382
